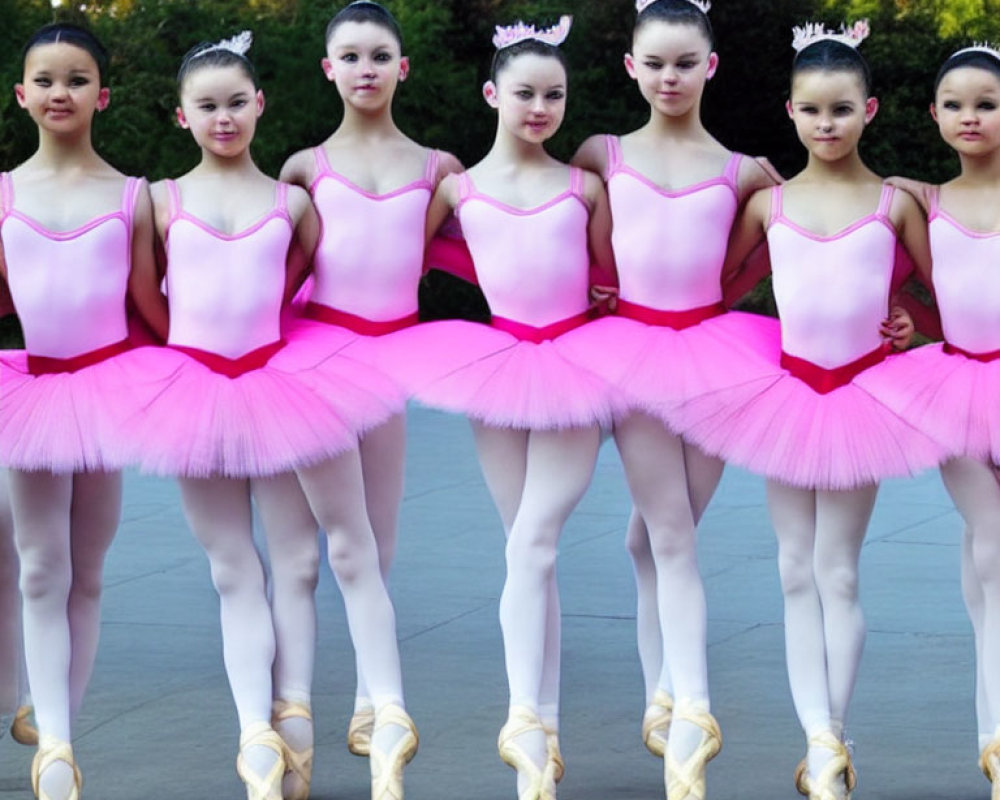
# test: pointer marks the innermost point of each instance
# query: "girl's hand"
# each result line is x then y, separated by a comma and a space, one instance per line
898, 328
920, 190
604, 299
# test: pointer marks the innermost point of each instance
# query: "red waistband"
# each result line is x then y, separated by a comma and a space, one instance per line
529, 333
363, 325
44, 365
232, 367
678, 320
824, 381
984, 357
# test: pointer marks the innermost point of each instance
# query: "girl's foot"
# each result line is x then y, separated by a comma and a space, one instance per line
22, 729
359, 729
57, 756
394, 743
293, 722
261, 762
520, 737
686, 780
656, 722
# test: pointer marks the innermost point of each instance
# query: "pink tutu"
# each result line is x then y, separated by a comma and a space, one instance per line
658, 367
304, 405
952, 398
500, 380
782, 428
66, 421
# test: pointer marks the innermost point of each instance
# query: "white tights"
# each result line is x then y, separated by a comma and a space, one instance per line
536, 479
383, 461
671, 484
336, 493
63, 526
974, 489
820, 534
11, 689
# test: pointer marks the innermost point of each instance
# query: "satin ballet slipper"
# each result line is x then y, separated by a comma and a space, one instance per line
359, 731
21, 729
541, 782
50, 751
802, 776
387, 768
298, 763
262, 787
656, 722
837, 769
687, 780
555, 753
989, 763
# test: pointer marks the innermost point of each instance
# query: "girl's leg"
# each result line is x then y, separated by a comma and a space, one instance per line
383, 462
293, 552
559, 468
218, 512
655, 467
10, 614
974, 489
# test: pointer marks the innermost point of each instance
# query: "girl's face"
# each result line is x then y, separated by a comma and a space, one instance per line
364, 61
220, 107
967, 110
61, 88
830, 112
530, 96
671, 63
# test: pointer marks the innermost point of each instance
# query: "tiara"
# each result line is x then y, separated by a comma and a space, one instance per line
813, 32
512, 34
238, 44
701, 5
979, 47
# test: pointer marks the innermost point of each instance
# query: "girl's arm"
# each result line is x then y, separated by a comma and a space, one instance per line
756, 174
603, 275
919, 189
447, 165
592, 156
144, 276
747, 232
911, 228
298, 169
304, 241
441, 205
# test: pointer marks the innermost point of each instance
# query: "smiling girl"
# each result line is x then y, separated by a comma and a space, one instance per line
814, 428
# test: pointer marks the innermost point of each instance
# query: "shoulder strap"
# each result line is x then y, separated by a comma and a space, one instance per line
775, 204
731, 174
281, 198
130, 198
431, 168
933, 201
465, 187
885, 201
614, 148
322, 162
576, 181
6, 194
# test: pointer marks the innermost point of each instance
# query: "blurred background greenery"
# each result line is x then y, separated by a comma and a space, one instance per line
448, 42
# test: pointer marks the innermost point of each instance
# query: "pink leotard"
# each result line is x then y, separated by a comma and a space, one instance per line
69, 287
370, 256
832, 291
966, 281
532, 264
675, 264
225, 291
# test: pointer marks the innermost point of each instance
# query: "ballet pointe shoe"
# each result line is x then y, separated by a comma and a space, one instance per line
989, 763
541, 782
387, 768
851, 777
21, 729
555, 754
656, 722
298, 763
687, 780
49, 752
261, 787
838, 768
359, 731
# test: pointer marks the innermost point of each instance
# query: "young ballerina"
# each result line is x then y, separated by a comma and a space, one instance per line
65, 396
674, 193
536, 415
232, 411
814, 428
371, 185
952, 394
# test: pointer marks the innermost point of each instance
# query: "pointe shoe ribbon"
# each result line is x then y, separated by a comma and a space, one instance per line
262, 787
541, 782
656, 722
555, 754
49, 752
359, 731
387, 768
298, 763
989, 763
838, 767
687, 780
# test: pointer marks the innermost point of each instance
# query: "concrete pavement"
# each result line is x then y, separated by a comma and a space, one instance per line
159, 724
